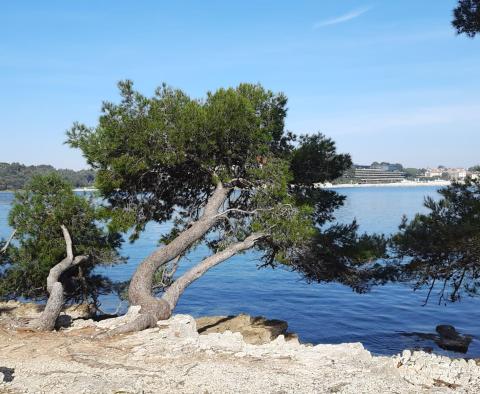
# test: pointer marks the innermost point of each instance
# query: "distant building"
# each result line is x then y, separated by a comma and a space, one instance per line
377, 175
457, 173
434, 172
446, 173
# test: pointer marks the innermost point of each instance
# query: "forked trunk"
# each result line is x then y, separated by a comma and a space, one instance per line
140, 289
173, 293
167, 303
48, 317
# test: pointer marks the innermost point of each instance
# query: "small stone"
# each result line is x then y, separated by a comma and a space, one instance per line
406, 354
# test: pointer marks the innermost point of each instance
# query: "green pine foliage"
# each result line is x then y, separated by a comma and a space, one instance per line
466, 17
441, 249
159, 158
37, 214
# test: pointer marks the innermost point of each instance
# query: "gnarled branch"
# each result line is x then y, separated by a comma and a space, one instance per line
243, 211
47, 319
170, 298
173, 293
140, 289
9, 240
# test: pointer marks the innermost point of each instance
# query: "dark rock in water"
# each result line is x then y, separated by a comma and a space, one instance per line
450, 339
447, 331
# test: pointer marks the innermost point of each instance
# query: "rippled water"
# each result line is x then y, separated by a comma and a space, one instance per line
326, 313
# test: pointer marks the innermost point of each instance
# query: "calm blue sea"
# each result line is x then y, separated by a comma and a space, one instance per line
319, 313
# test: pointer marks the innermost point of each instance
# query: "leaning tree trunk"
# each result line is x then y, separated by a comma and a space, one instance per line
140, 289
46, 321
173, 293
170, 297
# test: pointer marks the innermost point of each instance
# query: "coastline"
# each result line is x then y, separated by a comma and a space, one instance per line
322, 186
75, 189
392, 184
173, 357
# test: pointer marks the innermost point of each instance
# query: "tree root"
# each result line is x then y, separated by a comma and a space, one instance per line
142, 322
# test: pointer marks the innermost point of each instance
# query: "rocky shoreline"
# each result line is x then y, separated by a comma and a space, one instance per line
175, 357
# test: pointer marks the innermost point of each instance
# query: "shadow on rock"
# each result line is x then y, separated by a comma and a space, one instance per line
6, 374
255, 330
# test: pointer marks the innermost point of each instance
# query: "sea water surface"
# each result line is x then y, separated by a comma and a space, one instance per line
318, 313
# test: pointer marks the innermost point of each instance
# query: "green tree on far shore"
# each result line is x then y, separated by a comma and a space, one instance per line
43, 216
14, 176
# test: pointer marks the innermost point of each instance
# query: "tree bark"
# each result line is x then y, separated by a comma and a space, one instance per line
140, 289
173, 293
46, 321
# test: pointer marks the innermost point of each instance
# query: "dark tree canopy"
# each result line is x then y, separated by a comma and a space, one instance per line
162, 154
441, 249
467, 17
226, 172
160, 158
37, 215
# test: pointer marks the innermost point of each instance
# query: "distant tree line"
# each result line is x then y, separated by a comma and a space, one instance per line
15, 176
475, 168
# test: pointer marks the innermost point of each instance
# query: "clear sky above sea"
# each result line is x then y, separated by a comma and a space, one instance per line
388, 80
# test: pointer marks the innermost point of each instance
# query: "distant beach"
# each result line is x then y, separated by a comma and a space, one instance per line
393, 184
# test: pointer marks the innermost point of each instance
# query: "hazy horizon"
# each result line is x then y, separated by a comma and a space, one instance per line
388, 81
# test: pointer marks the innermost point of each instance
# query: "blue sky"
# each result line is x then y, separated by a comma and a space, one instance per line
388, 80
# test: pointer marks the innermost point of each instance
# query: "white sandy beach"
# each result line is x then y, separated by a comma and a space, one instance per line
393, 184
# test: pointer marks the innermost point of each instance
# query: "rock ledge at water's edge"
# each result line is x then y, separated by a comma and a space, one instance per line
174, 357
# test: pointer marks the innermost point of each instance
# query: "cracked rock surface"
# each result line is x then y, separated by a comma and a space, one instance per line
174, 358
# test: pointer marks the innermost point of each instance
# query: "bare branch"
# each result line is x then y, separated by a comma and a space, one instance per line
429, 292
173, 293
5, 247
79, 259
457, 285
243, 211
68, 242
167, 275
140, 288
55, 302
240, 182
